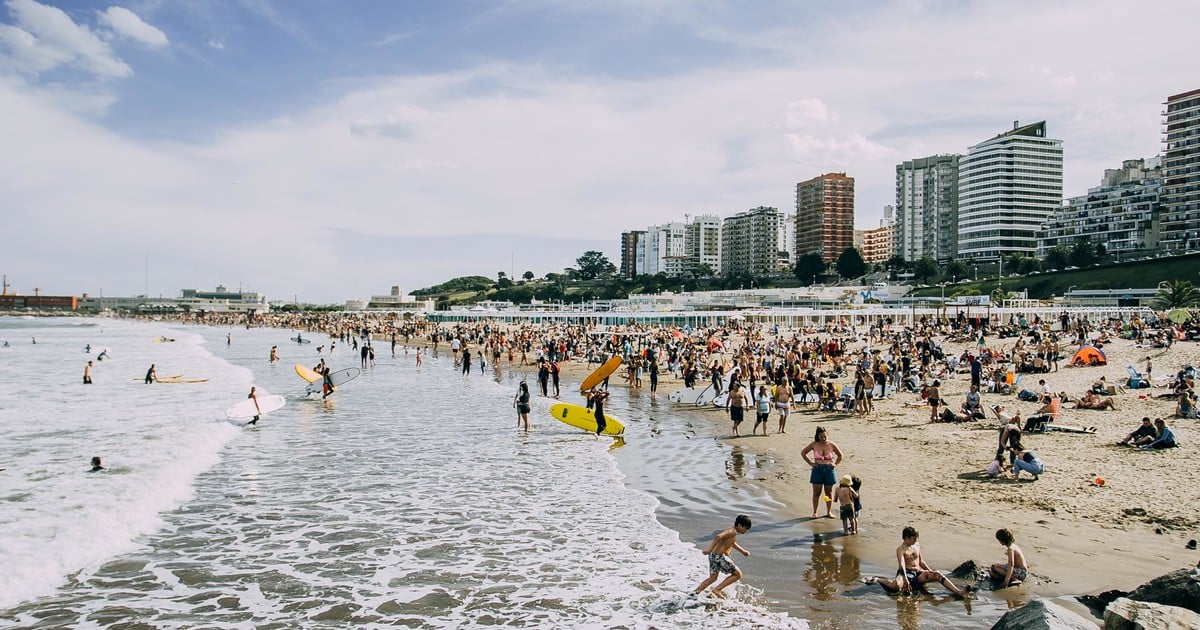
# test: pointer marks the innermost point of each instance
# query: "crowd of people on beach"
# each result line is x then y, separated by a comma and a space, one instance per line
840, 368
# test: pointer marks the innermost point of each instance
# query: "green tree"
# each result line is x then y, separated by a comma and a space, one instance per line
925, 269
850, 264
594, 264
1028, 265
528, 275
956, 269
703, 270
1083, 254
1057, 257
1176, 294
1101, 251
809, 267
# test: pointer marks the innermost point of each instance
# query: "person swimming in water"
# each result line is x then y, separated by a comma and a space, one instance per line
96, 467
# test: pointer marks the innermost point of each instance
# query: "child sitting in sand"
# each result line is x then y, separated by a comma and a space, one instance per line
1015, 569
718, 557
846, 498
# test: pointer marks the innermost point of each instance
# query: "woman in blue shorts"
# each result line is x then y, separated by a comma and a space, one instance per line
823, 456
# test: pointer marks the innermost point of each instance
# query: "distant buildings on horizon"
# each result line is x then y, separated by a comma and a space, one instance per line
1004, 196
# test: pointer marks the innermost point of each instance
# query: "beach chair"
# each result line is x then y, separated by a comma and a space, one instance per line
1136, 379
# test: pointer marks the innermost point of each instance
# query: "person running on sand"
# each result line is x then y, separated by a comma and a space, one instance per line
783, 402
913, 574
825, 457
718, 557
1015, 569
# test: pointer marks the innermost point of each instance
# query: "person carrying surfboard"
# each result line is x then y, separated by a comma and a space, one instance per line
326, 383
597, 397
258, 410
151, 375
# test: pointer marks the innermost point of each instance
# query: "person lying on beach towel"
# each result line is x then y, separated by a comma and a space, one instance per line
1092, 401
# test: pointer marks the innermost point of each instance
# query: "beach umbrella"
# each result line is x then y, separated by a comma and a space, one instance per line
1179, 316
715, 344
677, 333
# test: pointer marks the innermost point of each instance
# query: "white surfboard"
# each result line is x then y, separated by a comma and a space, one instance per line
338, 378
246, 409
687, 396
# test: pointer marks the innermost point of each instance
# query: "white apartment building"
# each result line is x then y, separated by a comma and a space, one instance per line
927, 208
750, 242
702, 242
661, 242
1181, 172
1122, 213
1008, 188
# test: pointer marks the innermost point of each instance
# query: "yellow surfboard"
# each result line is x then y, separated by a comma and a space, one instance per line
581, 417
306, 373
601, 373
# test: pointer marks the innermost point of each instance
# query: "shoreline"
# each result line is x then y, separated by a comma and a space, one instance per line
1079, 539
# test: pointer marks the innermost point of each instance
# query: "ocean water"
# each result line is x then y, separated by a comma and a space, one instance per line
407, 499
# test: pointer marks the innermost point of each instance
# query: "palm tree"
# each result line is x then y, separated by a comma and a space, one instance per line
1176, 294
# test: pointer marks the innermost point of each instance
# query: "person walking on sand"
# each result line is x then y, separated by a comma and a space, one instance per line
718, 557
735, 404
151, 375
824, 460
764, 410
913, 573
521, 402
1015, 568
783, 402
934, 395
87, 373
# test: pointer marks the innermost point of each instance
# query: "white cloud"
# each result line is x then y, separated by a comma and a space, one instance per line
46, 38
127, 24
216, 44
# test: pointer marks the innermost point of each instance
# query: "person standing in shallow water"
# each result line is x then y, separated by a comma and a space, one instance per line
597, 398
521, 402
824, 458
87, 373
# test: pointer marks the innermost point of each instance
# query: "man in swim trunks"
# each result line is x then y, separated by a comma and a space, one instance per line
913, 573
783, 402
87, 374
735, 404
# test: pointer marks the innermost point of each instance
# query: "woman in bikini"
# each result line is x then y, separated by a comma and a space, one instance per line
825, 456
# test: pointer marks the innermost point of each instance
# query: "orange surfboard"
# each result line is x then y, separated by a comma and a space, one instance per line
601, 373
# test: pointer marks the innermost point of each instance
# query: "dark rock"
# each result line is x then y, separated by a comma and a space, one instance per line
1097, 603
1173, 589
969, 570
1127, 614
1041, 614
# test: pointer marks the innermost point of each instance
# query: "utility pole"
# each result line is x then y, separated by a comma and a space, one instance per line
5, 285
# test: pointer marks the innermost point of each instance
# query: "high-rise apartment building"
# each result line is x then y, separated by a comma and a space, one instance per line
787, 243
629, 252
1181, 173
702, 243
662, 242
927, 208
1008, 188
825, 216
750, 242
1122, 213
876, 245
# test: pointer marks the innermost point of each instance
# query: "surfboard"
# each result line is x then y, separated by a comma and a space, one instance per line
601, 373
162, 378
163, 340
688, 396
245, 409
176, 381
581, 417
339, 377
1066, 428
299, 339
307, 374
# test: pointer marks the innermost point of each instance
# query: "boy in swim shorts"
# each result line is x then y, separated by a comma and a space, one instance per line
847, 498
718, 557
1015, 569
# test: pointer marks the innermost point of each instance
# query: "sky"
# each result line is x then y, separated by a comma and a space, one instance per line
324, 150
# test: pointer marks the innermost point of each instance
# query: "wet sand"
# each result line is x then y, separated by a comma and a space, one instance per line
1079, 538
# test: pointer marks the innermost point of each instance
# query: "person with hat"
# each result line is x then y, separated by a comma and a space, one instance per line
846, 497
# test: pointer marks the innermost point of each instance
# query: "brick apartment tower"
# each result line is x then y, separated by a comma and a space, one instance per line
825, 216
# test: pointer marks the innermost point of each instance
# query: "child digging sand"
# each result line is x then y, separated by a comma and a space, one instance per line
1015, 569
847, 497
718, 557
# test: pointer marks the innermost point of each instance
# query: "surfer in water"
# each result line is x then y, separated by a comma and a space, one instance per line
96, 467
151, 375
597, 398
326, 383
103, 353
254, 396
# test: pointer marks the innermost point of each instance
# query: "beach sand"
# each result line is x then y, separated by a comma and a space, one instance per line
1079, 538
